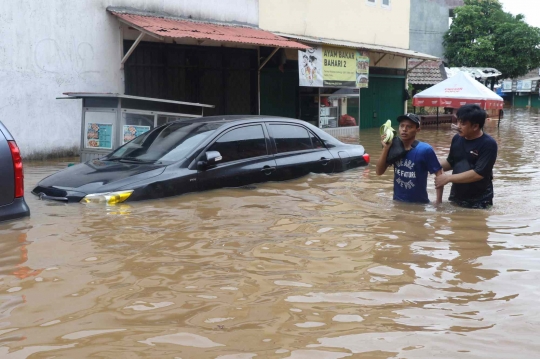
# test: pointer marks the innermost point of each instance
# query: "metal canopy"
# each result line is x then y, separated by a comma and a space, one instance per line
358, 45
79, 95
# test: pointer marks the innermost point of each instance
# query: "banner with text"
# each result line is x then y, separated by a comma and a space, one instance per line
324, 66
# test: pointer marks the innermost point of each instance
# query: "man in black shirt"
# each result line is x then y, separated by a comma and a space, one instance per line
472, 157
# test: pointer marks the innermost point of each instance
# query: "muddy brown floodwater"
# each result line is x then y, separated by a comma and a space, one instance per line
323, 267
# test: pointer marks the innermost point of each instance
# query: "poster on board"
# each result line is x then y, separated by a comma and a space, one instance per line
310, 67
507, 86
524, 86
99, 135
132, 131
325, 66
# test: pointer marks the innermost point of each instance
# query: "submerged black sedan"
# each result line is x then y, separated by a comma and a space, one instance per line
202, 154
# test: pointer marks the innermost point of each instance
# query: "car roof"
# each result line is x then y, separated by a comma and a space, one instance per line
231, 120
238, 118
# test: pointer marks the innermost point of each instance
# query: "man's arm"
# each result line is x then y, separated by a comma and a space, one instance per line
465, 177
440, 190
445, 165
434, 167
381, 163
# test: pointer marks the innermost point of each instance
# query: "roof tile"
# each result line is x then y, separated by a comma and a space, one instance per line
428, 73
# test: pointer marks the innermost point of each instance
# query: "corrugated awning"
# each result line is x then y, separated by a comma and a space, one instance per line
182, 28
358, 45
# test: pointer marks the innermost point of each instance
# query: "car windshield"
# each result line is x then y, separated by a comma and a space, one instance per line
165, 144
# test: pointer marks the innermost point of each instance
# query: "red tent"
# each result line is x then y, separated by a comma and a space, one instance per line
457, 91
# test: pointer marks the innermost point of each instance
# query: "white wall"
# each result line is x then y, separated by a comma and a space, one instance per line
55, 46
353, 20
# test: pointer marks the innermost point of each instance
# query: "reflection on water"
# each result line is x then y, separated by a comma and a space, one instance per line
321, 267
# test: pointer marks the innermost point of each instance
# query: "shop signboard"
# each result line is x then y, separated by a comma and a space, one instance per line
524, 86
326, 66
99, 135
132, 131
507, 86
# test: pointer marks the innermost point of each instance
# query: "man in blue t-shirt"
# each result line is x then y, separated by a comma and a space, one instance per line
411, 171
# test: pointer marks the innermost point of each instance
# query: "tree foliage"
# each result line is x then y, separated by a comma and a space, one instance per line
483, 35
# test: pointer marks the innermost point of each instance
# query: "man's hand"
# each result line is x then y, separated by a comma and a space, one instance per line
384, 144
381, 163
465, 177
442, 180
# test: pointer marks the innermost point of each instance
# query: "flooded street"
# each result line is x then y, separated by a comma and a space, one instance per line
322, 267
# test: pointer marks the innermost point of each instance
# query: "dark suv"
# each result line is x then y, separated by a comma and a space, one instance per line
12, 203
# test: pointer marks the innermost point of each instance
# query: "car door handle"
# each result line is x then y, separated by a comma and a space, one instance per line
268, 169
324, 161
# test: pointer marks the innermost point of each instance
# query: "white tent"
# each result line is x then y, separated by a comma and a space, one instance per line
457, 91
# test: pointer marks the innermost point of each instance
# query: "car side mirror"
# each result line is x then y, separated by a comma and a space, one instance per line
211, 159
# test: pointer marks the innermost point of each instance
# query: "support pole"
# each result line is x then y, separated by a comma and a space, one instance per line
500, 116
268, 58
379, 60
131, 49
259, 79
437, 117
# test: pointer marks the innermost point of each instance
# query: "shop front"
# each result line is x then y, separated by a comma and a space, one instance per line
522, 93
384, 99
330, 79
320, 85
207, 62
341, 86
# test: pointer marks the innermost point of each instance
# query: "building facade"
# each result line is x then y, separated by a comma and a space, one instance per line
236, 56
430, 20
379, 29
522, 92
52, 47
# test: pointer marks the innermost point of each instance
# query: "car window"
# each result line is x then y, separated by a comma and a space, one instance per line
241, 143
290, 138
317, 143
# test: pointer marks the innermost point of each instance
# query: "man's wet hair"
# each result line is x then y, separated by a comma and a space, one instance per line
472, 114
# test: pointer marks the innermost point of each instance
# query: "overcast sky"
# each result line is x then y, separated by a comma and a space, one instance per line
529, 8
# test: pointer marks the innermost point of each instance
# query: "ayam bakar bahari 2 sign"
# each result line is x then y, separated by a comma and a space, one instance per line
324, 66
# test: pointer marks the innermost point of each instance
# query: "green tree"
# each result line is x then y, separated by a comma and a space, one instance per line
483, 35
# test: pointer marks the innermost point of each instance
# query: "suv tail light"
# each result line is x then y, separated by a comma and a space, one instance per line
366, 158
18, 169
